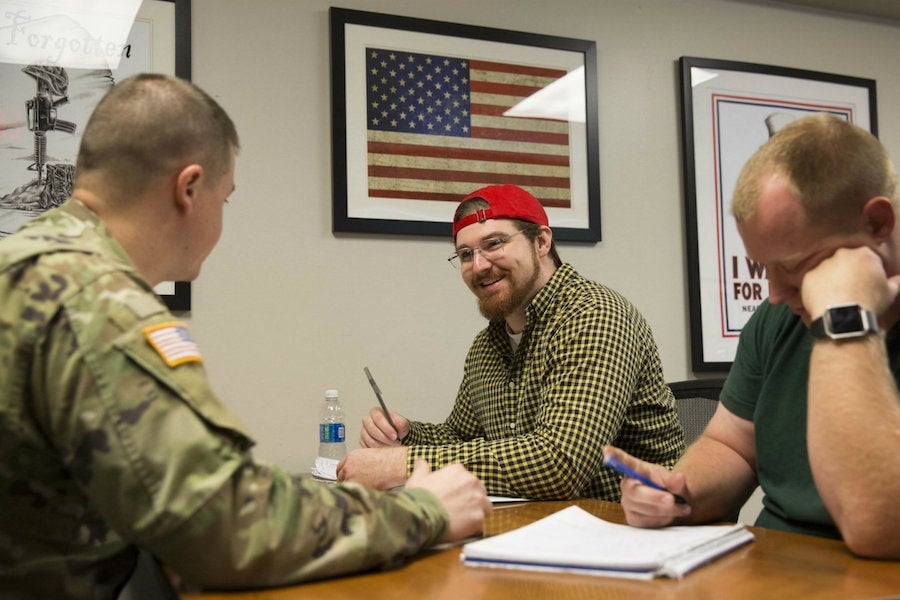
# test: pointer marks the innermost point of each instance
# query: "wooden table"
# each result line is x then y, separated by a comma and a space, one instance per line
775, 565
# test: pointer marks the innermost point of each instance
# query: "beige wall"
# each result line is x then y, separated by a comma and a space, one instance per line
284, 308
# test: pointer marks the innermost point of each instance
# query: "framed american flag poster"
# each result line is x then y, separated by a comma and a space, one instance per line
425, 112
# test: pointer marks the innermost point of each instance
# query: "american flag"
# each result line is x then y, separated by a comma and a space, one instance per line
436, 129
173, 343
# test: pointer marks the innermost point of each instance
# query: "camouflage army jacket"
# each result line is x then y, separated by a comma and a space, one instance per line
109, 439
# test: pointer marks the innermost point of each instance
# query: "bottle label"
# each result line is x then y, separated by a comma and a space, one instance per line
331, 433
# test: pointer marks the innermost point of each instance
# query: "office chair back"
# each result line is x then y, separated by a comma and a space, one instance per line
696, 401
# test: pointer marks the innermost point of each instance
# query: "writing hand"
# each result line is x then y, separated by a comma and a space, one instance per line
377, 431
646, 506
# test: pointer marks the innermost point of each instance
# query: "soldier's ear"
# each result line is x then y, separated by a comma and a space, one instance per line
187, 182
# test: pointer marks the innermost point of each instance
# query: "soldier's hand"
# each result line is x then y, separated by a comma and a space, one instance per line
462, 494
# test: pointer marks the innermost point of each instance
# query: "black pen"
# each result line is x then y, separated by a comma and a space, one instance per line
613, 463
384, 407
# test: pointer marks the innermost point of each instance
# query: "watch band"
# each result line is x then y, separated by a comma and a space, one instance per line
844, 321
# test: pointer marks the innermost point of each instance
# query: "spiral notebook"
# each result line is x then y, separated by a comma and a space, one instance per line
573, 540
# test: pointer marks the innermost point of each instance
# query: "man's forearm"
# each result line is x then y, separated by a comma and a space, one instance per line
853, 440
719, 480
264, 528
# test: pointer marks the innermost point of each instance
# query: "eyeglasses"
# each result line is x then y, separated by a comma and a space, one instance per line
489, 248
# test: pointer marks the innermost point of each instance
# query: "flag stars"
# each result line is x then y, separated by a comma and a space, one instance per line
417, 93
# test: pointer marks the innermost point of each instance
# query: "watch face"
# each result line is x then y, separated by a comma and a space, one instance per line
845, 319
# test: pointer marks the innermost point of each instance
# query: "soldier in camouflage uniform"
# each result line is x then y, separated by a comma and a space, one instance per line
110, 436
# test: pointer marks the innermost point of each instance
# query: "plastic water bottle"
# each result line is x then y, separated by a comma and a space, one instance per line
332, 434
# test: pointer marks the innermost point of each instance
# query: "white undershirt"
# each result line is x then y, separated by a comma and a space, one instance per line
514, 338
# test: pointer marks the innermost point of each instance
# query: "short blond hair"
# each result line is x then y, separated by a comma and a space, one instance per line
831, 166
150, 125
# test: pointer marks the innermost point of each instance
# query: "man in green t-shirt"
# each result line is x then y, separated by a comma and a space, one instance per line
810, 409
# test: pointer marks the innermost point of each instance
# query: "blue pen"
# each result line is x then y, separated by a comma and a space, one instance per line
613, 463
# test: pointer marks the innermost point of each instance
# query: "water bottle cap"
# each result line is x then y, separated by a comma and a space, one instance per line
331, 393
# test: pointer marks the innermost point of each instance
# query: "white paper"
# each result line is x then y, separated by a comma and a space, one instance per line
325, 468
574, 540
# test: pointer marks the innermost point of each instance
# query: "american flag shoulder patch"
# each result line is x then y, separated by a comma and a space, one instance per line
172, 341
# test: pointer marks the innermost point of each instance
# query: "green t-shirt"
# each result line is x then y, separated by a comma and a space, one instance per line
767, 384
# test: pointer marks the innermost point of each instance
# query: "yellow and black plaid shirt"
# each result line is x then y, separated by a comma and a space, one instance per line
532, 423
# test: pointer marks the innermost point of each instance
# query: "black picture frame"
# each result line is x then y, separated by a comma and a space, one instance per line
427, 211
160, 41
728, 110
180, 298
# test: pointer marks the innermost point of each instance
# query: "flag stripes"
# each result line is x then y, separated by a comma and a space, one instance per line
439, 141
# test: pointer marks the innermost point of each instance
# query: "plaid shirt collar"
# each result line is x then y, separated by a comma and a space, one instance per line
539, 305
